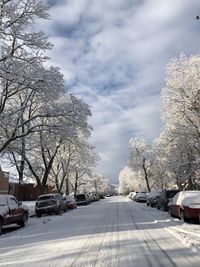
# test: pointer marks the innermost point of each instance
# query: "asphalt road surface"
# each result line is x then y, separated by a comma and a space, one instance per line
112, 232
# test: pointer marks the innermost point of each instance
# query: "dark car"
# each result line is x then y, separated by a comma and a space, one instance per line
81, 199
152, 198
70, 202
163, 200
12, 211
101, 196
50, 203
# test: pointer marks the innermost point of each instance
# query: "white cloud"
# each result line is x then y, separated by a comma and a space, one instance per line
113, 54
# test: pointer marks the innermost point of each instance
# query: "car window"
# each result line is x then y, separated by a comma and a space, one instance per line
12, 202
171, 194
3, 201
46, 197
80, 197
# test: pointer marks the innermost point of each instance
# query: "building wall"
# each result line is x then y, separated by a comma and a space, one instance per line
4, 184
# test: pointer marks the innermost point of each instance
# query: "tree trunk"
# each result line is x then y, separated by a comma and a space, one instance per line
146, 175
76, 184
67, 185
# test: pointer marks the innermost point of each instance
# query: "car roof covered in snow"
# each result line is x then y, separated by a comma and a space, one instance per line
186, 198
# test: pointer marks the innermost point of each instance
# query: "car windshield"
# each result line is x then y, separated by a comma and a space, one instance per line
171, 194
68, 198
46, 197
2, 201
80, 197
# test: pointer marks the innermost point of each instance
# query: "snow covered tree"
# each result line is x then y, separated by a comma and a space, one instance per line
21, 70
129, 181
181, 113
141, 159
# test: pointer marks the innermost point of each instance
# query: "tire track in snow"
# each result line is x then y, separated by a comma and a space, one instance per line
169, 246
149, 253
92, 252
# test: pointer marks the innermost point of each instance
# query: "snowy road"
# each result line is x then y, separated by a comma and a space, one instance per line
112, 232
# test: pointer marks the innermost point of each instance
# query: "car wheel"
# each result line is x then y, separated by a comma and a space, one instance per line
24, 220
170, 213
58, 212
38, 215
1, 227
163, 208
182, 216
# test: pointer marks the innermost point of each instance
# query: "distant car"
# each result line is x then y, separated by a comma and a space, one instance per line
185, 205
101, 196
152, 198
141, 197
12, 211
50, 203
81, 199
70, 202
163, 199
132, 195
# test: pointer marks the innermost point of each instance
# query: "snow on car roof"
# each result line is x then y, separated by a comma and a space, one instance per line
186, 197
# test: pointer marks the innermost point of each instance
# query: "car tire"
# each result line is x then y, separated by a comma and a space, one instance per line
24, 220
182, 216
163, 208
38, 215
58, 211
1, 227
170, 213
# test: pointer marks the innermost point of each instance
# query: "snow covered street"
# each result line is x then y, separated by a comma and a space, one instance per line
112, 232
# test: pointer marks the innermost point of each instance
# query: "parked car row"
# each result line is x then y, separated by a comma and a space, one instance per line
13, 212
184, 205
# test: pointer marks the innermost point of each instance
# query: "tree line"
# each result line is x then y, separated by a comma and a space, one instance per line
172, 159
44, 129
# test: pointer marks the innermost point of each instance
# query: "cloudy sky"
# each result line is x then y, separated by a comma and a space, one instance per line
113, 54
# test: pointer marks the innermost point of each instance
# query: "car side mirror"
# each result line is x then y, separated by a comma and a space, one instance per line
19, 203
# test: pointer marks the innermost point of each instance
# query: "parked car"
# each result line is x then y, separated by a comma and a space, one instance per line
69, 202
101, 196
50, 203
81, 199
12, 211
185, 205
163, 199
132, 195
141, 197
152, 198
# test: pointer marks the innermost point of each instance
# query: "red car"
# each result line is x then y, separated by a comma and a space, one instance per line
185, 205
70, 202
12, 211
